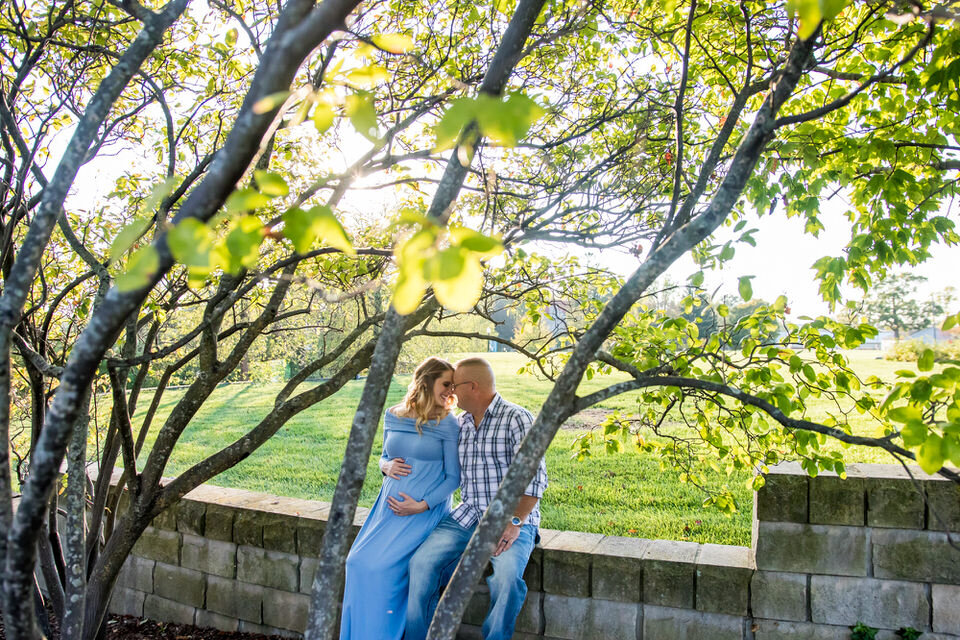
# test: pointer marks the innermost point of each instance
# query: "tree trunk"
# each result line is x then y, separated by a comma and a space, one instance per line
559, 403
329, 576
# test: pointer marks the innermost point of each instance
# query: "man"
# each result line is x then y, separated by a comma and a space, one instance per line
491, 430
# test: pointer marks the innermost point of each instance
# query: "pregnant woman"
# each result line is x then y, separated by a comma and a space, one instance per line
421, 471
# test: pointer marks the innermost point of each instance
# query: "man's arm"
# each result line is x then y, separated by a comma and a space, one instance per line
534, 490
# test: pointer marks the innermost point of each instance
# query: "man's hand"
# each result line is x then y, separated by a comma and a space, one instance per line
395, 468
510, 534
407, 506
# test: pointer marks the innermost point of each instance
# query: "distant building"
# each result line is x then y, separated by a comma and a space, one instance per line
877, 342
932, 335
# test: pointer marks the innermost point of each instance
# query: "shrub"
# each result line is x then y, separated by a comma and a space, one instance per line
268, 371
910, 350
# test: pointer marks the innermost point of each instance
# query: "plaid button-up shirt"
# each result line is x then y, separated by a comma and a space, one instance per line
485, 454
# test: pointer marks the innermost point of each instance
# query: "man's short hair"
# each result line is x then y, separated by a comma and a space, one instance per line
484, 372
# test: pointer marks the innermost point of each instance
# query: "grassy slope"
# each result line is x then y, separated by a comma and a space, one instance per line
625, 494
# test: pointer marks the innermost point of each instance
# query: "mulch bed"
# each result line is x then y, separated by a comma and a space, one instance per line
129, 628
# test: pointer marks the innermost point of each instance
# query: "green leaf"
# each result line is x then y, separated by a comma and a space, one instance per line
951, 448
454, 119
809, 14
461, 292
323, 116
483, 246
697, 279
231, 37
127, 236
271, 184
905, 414
832, 8
245, 199
925, 361
930, 456
141, 267
745, 288
190, 242
950, 322
393, 42
368, 76
243, 243
913, 433
359, 108
444, 265
409, 289
159, 191
507, 122
304, 228
270, 102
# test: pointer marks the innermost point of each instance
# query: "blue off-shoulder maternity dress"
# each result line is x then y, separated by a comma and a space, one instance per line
375, 592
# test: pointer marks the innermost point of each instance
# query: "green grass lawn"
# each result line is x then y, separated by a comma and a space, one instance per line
624, 494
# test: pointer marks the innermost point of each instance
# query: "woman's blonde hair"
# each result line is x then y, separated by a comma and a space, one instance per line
419, 402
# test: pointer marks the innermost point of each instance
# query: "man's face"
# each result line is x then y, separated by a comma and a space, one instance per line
463, 388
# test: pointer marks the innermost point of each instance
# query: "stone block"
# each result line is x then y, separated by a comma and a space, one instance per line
262, 629
185, 586
893, 500
837, 501
668, 573
234, 599
308, 571
943, 510
530, 619
946, 608
166, 520
566, 563
666, 623
783, 630
280, 533
310, 536
888, 604
779, 596
477, 608
248, 527
469, 632
158, 544
588, 619
533, 573
273, 569
127, 602
218, 522
137, 573
903, 554
618, 568
723, 579
163, 610
811, 548
210, 556
190, 517
784, 496
285, 610
211, 620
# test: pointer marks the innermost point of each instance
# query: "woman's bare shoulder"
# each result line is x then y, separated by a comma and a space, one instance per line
399, 411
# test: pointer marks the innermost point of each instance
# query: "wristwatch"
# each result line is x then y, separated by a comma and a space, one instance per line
516, 521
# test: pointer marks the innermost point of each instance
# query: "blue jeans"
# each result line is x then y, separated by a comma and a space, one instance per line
433, 563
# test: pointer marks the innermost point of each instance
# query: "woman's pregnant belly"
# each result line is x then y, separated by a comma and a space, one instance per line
424, 476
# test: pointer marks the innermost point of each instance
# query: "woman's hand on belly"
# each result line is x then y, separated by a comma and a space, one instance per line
406, 506
396, 468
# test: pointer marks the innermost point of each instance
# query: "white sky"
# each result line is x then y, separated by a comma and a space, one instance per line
782, 261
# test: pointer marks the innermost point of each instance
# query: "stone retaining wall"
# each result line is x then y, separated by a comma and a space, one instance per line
826, 553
